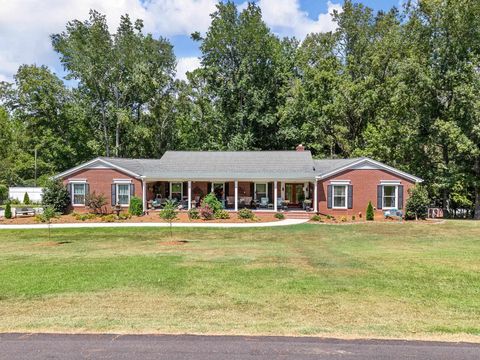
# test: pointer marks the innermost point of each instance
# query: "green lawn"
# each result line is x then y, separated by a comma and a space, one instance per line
375, 280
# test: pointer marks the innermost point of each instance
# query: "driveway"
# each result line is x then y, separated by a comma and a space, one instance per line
173, 347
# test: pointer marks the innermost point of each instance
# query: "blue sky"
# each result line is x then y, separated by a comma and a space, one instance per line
25, 25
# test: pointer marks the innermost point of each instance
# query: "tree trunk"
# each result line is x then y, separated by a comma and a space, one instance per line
476, 214
105, 132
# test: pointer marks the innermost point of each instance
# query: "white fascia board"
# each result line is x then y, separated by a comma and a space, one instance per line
88, 163
376, 163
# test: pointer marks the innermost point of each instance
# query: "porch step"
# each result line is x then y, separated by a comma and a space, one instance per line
298, 215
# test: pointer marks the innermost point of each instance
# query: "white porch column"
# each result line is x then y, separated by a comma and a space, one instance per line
189, 195
144, 195
275, 196
236, 195
315, 197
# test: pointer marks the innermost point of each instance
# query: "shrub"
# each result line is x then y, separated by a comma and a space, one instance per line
212, 201
417, 203
3, 193
316, 218
246, 214
222, 214
169, 213
279, 216
109, 218
206, 212
8, 210
124, 216
369, 214
14, 202
329, 217
353, 217
84, 217
136, 206
95, 202
193, 214
55, 195
26, 199
343, 219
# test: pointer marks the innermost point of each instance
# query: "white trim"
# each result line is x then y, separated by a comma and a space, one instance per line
275, 196
376, 163
390, 182
181, 189
255, 190
396, 197
88, 163
84, 183
236, 195
117, 193
346, 196
77, 181
340, 182
315, 195
122, 181
144, 196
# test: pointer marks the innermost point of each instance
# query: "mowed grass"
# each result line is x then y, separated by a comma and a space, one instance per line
373, 280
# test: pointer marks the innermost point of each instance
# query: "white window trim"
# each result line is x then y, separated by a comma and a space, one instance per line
340, 182
346, 196
117, 192
383, 196
218, 183
122, 181
79, 182
255, 190
181, 189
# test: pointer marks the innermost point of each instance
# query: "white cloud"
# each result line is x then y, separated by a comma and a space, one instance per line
286, 18
25, 25
185, 64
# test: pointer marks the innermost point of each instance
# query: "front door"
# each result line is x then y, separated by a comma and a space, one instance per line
294, 193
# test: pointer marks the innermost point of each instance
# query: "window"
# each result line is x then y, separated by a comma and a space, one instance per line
79, 190
176, 191
218, 190
260, 191
389, 197
123, 194
339, 196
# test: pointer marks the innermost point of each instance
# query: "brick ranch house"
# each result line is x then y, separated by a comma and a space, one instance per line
263, 180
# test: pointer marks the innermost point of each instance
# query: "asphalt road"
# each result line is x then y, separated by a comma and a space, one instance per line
171, 347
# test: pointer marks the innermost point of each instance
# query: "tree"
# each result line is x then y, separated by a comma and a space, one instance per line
47, 215
126, 78
3, 193
26, 199
136, 206
56, 196
8, 210
169, 213
417, 203
369, 215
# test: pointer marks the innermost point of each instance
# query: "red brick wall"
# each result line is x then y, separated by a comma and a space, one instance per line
100, 181
364, 184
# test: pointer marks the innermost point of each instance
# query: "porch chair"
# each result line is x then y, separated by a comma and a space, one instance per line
263, 203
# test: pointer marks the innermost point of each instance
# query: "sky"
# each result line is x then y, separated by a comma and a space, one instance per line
25, 25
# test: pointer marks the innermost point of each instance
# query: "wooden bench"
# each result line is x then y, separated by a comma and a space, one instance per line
25, 211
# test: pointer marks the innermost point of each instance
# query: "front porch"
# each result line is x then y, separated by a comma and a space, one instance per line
258, 195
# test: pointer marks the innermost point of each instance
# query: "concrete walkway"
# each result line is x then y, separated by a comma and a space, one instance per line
285, 222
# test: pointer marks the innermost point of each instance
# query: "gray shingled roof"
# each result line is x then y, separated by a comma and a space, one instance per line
324, 166
224, 165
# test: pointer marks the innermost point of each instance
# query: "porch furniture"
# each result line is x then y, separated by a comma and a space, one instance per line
393, 214
307, 205
263, 203
25, 211
281, 205
230, 200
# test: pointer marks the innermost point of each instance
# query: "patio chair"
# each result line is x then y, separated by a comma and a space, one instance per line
281, 204
263, 203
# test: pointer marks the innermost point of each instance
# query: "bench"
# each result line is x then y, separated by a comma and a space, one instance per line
24, 211
393, 214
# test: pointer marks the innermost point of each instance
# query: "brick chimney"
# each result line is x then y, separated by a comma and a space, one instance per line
300, 148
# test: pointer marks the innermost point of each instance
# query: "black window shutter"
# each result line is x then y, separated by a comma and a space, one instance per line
70, 192
252, 190
329, 196
270, 192
132, 190
87, 189
227, 189
350, 197
185, 188
114, 195
400, 197
167, 189
379, 197
209, 187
